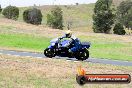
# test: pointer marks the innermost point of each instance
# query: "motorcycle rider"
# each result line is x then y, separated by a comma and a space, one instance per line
75, 41
68, 34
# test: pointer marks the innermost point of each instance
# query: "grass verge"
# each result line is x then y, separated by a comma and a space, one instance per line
109, 48
21, 72
24, 41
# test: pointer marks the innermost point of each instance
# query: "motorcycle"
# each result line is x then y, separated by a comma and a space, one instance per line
61, 48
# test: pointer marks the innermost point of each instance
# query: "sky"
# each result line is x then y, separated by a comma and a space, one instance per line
22, 3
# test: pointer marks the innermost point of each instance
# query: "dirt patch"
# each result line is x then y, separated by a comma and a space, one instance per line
21, 27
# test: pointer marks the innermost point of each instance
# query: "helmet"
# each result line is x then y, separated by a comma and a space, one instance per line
68, 34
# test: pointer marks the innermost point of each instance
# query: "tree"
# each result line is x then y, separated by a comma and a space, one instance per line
0, 9
124, 13
55, 18
130, 23
129, 19
33, 16
11, 12
119, 29
103, 17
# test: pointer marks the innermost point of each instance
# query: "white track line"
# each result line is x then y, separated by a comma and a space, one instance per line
76, 61
8, 54
50, 58
109, 60
27, 56
18, 51
69, 60
39, 57
11, 51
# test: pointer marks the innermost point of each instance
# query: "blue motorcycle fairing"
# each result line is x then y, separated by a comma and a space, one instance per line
77, 44
86, 46
50, 47
52, 43
65, 43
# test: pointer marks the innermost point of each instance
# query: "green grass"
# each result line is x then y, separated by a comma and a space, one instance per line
24, 41
109, 49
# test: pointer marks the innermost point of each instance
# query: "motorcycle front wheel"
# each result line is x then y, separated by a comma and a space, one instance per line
49, 53
82, 55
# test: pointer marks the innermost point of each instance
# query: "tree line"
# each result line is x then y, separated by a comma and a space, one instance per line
34, 16
106, 17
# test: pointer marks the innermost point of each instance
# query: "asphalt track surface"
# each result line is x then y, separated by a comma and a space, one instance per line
41, 56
